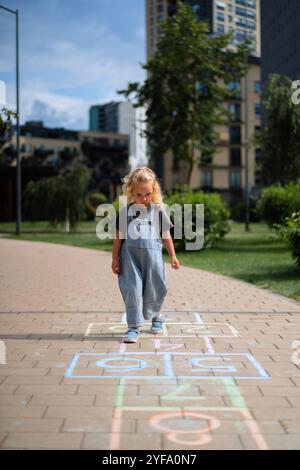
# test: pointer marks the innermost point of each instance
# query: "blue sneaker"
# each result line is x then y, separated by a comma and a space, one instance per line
157, 326
131, 336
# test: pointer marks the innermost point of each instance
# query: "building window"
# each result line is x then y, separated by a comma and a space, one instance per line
235, 87
251, 25
247, 3
251, 14
235, 157
241, 34
221, 29
221, 5
221, 16
206, 158
206, 179
234, 110
246, 13
257, 109
235, 135
241, 11
235, 179
257, 86
241, 22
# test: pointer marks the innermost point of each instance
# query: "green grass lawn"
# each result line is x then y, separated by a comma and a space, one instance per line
257, 256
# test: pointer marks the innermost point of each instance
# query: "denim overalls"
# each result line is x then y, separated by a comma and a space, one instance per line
142, 279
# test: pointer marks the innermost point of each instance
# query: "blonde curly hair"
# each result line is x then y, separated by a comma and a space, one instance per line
140, 175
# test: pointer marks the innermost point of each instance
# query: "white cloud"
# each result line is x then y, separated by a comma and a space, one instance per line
67, 66
54, 110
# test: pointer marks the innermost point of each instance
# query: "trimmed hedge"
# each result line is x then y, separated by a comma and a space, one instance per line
278, 202
290, 233
216, 215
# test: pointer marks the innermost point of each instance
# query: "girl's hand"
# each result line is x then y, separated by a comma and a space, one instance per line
175, 262
115, 266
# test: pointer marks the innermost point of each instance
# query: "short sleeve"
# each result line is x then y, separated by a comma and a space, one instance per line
121, 211
165, 221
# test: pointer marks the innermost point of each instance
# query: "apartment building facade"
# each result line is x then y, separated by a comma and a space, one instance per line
226, 172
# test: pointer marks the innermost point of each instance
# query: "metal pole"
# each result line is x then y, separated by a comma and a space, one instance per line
19, 190
18, 168
247, 202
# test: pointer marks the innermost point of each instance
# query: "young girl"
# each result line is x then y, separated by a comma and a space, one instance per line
137, 260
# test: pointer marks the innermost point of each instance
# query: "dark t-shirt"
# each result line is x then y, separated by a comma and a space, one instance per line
164, 220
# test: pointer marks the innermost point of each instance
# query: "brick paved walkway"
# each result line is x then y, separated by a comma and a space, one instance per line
221, 377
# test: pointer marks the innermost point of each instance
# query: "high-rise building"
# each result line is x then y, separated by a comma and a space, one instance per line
112, 117
280, 51
122, 118
226, 173
242, 17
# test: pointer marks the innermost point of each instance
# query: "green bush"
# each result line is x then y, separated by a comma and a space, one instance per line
290, 233
278, 202
216, 215
238, 212
92, 201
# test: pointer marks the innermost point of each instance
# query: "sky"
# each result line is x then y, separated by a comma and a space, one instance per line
73, 54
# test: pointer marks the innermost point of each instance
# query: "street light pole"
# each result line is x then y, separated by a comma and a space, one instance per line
247, 202
18, 168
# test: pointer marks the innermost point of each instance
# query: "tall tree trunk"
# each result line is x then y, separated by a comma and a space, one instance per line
191, 161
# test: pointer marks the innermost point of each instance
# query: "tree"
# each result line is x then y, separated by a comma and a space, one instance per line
5, 119
279, 138
58, 198
186, 87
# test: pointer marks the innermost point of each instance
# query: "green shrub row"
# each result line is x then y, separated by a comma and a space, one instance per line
216, 215
289, 231
278, 202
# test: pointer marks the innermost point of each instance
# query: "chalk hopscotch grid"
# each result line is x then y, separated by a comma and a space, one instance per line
168, 365
204, 437
238, 404
118, 330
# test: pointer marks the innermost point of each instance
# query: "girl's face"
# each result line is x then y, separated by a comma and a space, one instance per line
142, 193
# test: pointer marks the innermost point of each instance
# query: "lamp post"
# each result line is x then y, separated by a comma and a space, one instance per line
18, 205
246, 143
